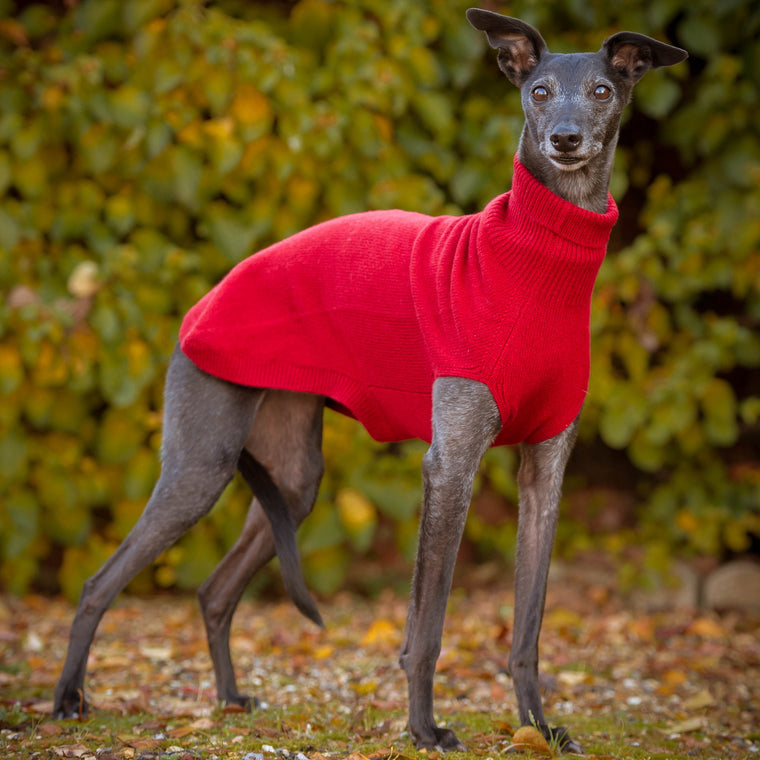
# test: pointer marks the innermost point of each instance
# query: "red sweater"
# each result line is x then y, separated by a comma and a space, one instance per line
369, 309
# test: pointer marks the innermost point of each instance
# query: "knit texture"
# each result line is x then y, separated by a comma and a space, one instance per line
369, 309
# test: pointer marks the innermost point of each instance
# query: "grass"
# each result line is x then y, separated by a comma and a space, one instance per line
628, 686
326, 729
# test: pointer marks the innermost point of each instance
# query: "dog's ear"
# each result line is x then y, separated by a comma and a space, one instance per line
634, 54
520, 46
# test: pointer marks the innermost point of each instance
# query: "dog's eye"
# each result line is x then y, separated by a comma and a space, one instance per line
602, 92
540, 94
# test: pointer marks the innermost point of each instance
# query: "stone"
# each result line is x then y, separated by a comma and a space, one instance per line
734, 586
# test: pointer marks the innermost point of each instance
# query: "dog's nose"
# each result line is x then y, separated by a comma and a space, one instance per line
566, 141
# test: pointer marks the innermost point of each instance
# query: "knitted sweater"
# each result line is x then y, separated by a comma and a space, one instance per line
369, 309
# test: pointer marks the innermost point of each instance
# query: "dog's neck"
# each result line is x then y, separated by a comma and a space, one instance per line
587, 187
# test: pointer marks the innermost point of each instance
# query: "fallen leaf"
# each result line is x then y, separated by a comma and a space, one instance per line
180, 732
49, 729
685, 726
381, 632
563, 619
71, 750
531, 738
573, 677
324, 652
203, 724
699, 700
140, 744
706, 628
156, 653
674, 677
44, 707
504, 727
643, 628
233, 708
365, 687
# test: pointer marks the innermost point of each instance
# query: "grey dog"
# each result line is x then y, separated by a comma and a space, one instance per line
212, 427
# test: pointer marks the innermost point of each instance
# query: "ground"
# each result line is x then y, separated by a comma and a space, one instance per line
630, 684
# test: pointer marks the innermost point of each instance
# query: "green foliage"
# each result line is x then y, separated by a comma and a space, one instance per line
147, 145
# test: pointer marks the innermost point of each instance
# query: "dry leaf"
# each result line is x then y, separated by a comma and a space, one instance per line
706, 628
71, 750
44, 707
685, 726
180, 732
381, 632
203, 724
233, 708
49, 729
324, 652
531, 738
156, 653
573, 677
698, 701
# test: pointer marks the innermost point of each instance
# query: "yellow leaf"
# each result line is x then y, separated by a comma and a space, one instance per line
699, 701
561, 618
83, 282
531, 738
192, 134
381, 632
706, 628
53, 98
50, 369
219, 129
11, 369
138, 355
643, 628
356, 511
249, 106
324, 652
687, 521
364, 688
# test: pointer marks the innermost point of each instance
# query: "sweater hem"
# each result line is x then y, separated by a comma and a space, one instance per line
343, 393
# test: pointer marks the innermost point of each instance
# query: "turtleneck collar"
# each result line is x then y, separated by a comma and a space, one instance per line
531, 203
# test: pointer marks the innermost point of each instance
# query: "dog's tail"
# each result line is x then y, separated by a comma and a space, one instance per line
276, 509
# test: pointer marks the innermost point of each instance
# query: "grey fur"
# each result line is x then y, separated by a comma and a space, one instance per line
212, 427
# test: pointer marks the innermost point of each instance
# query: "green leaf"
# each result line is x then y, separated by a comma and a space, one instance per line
719, 406
623, 415
232, 235
119, 436
656, 96
435, 110
129, 106
700, 34
20, 523
10, 234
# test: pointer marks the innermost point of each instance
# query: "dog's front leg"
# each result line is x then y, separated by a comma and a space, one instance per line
465, 422
540, 477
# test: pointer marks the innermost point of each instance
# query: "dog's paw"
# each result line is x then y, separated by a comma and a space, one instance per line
70, 706
243, 701
440, 740
560, 736
447, 741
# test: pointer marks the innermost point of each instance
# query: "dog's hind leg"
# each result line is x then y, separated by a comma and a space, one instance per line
465, 422
206, 424
286, 444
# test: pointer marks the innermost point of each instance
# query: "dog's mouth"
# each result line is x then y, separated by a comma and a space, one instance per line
569, 161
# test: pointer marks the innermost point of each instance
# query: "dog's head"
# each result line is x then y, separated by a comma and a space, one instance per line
572, 102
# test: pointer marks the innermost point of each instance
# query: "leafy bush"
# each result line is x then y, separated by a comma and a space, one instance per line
147, 145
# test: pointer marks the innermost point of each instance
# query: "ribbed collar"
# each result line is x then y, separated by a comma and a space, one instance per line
531, 203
